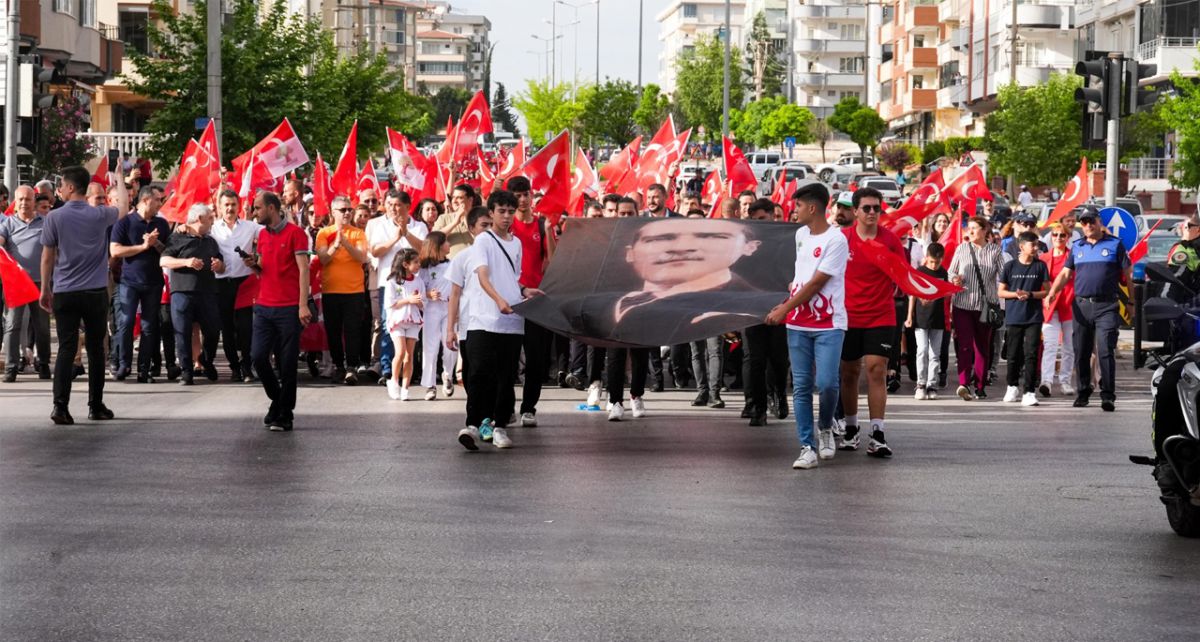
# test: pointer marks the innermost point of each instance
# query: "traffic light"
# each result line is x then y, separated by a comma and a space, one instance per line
1100, 85
1136, 97
1094, 97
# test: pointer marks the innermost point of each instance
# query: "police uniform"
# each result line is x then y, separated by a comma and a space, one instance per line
1098, 268
1184, 262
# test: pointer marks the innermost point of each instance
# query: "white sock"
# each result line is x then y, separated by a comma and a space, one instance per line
876, 424
852, 420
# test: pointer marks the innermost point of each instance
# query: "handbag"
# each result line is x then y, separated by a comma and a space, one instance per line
992, 314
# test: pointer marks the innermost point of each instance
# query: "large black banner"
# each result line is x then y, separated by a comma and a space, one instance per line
654, 282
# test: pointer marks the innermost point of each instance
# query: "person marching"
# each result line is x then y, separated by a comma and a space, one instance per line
1056, 326
927, 318
1023, 283
403, 300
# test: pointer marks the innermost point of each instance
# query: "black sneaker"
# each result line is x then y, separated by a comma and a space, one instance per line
747, 411
145, 378
186, 379
877, 445
10, 376
658, 386
280, 424
173, 372
61, 417
121, 374
573, 380
79, 371
314, 365
1044, 390
781, 408
1107, 405
941, 381
701, 399
980, 393
717, 402
248, 373
99, 412
759, 419
270, 417
849, 438
893, 382
210, 372
350, 379
1081, 400
43, 371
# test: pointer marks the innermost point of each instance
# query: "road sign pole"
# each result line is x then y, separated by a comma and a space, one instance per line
1112, 161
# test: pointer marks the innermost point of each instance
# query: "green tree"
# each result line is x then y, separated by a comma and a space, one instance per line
839, 120
765, 70
933, 150
1182, 113
547, 109
502, 114
699, 84
788, 121
608, 110
275, 65
822, 133
1142, 132
1034, 134
895, 155
861, 123
747, 124
956, 146
652, 109
449, 102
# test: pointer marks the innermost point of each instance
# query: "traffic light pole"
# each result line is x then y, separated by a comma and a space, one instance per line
1112, 162
11, 177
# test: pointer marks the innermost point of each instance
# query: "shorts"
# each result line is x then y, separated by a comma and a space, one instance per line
404, 331
863, 341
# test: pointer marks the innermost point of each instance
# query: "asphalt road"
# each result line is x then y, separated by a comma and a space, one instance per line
185, 519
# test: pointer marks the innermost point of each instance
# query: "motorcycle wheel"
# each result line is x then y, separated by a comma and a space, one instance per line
1184, 517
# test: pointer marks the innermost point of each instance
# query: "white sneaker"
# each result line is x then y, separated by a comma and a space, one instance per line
447, 386
500, 438
920, 395
593, 399
528, 420
616, 412
1067, 390
965, 393
468, 436
393, 389
430, 394
839, 431
931, 393
1011, 394
404, 394
806, 460
639, 409
825, 444
1029, 399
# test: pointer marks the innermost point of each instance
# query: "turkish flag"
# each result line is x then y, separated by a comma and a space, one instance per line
247, 291
909, 280
487, 178
445, 152
19, 288
584, 184
953, 235
321, 188
476, 121
208, 143
415, 174
713, 193
654, 161
549, 172
191, 183
369, 180
621, 168
1077, 191
928, 199
1139, 249
279, 153
101, 175
789, 205
512, 162
252, 175
737, 169
969, 186
345, 175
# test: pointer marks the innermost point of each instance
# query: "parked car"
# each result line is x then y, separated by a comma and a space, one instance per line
1158, 245
766, 186
886, 186
1169, 222
688, 172
799, 163
841, 170
760, 162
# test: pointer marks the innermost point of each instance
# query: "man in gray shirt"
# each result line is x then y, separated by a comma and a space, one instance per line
21, 237
75, 287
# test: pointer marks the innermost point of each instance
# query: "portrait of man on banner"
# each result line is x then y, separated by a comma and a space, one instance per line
641, 281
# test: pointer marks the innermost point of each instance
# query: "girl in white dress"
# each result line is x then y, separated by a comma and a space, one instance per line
435, 268
403, 299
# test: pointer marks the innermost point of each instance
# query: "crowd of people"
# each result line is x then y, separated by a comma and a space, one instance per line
382, 290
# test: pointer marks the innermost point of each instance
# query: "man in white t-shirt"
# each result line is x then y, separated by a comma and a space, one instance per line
386, 236
478, 220
816, 321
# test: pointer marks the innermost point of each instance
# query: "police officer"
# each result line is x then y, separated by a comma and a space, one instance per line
1099, 263
1184, 260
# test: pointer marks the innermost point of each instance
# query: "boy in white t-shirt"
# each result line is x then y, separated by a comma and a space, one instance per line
815, 314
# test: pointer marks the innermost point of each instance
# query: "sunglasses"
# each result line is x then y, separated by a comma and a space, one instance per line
1060, 235
344, 209
871, 209
1088, 221
1192, 226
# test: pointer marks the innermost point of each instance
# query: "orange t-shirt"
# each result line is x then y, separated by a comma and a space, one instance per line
342, 275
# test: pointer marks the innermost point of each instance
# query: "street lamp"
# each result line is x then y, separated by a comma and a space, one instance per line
577, 7
549, 51
541, 60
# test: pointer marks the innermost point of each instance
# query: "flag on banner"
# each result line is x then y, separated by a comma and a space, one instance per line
620, 165
321, 188
1076, 193
1139, 249
345, 174
101, 175
967, 188
909, 280
278, 153
584, 184
19, 288
737, 169
549, 172
476, 121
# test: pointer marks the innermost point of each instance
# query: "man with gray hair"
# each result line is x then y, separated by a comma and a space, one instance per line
21, 237
194, 259
138, 241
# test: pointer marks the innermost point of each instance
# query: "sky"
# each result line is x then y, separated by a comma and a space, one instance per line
515, 22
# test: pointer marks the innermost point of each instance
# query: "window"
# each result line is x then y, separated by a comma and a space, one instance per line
65, 6
393, 37
441, 68
458, 30
850, 65
851, 31
918, 82
918, 41
435, 48
87, 13
689, 10
132, 26
848, 94
885, 92
400, 16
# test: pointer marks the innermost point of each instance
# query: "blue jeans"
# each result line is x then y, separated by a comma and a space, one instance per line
149, 299
387, 351
816, 356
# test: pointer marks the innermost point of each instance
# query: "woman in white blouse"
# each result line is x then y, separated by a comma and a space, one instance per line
976, 268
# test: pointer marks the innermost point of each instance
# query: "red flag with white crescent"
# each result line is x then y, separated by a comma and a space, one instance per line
737, 169
584, 184
345, 174
1077, 191
19, 288
909, 280
1139, 249
620, 173
445, 152
101, 175
513, 162
654, 161
322, 189
369, 180
967, 188
928, 199
208, 143
487, 178
192, 182
476, 121
713, 193
279, 153
953, 234
549, 172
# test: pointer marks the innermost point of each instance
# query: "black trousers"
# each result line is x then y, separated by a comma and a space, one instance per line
577, 357
194, 307
1024, 348
765, 348
1096, 324
615, 365
343, 325
537, 342
277, 334
597, 361
236, 325
89, 307
490, 384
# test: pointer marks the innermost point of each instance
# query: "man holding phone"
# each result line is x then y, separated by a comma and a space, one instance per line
235, 236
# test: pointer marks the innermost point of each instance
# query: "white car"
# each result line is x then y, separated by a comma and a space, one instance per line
842, 169
766, 186
886, 186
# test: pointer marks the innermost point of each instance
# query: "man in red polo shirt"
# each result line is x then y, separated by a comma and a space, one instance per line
537, 246
281, 261
871, 321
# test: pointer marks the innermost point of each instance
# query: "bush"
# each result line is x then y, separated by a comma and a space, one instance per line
895, 156
957, 146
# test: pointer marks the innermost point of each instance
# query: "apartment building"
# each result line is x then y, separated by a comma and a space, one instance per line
683, 22
387, 26
451, 49
830, 45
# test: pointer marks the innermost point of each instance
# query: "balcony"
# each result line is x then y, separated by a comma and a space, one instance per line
1028, 75
91, 54
920, 100
921, 58
951, 11
830, 13
922, 15
960, 38
952, 96
129, 143
811, 45
1046, 14
828, 79
1170, 54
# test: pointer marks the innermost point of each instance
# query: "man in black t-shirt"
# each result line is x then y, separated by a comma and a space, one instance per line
194, 259
1024, 283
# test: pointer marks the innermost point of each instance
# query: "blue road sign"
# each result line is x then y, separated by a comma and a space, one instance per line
201, 123
1120, 224
789, 142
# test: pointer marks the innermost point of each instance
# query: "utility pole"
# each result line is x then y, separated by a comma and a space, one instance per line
725, 88
1112, 162
553, 37
641, 7
1012, 28
11, 177
790, 51
597, 44
214, 66
867, 51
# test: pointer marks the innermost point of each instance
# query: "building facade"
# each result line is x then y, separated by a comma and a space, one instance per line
683, 22
451, 49
829, 46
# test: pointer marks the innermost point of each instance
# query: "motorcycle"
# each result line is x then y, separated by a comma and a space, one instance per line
1175, 414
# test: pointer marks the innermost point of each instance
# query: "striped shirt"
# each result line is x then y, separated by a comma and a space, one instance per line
989, 260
